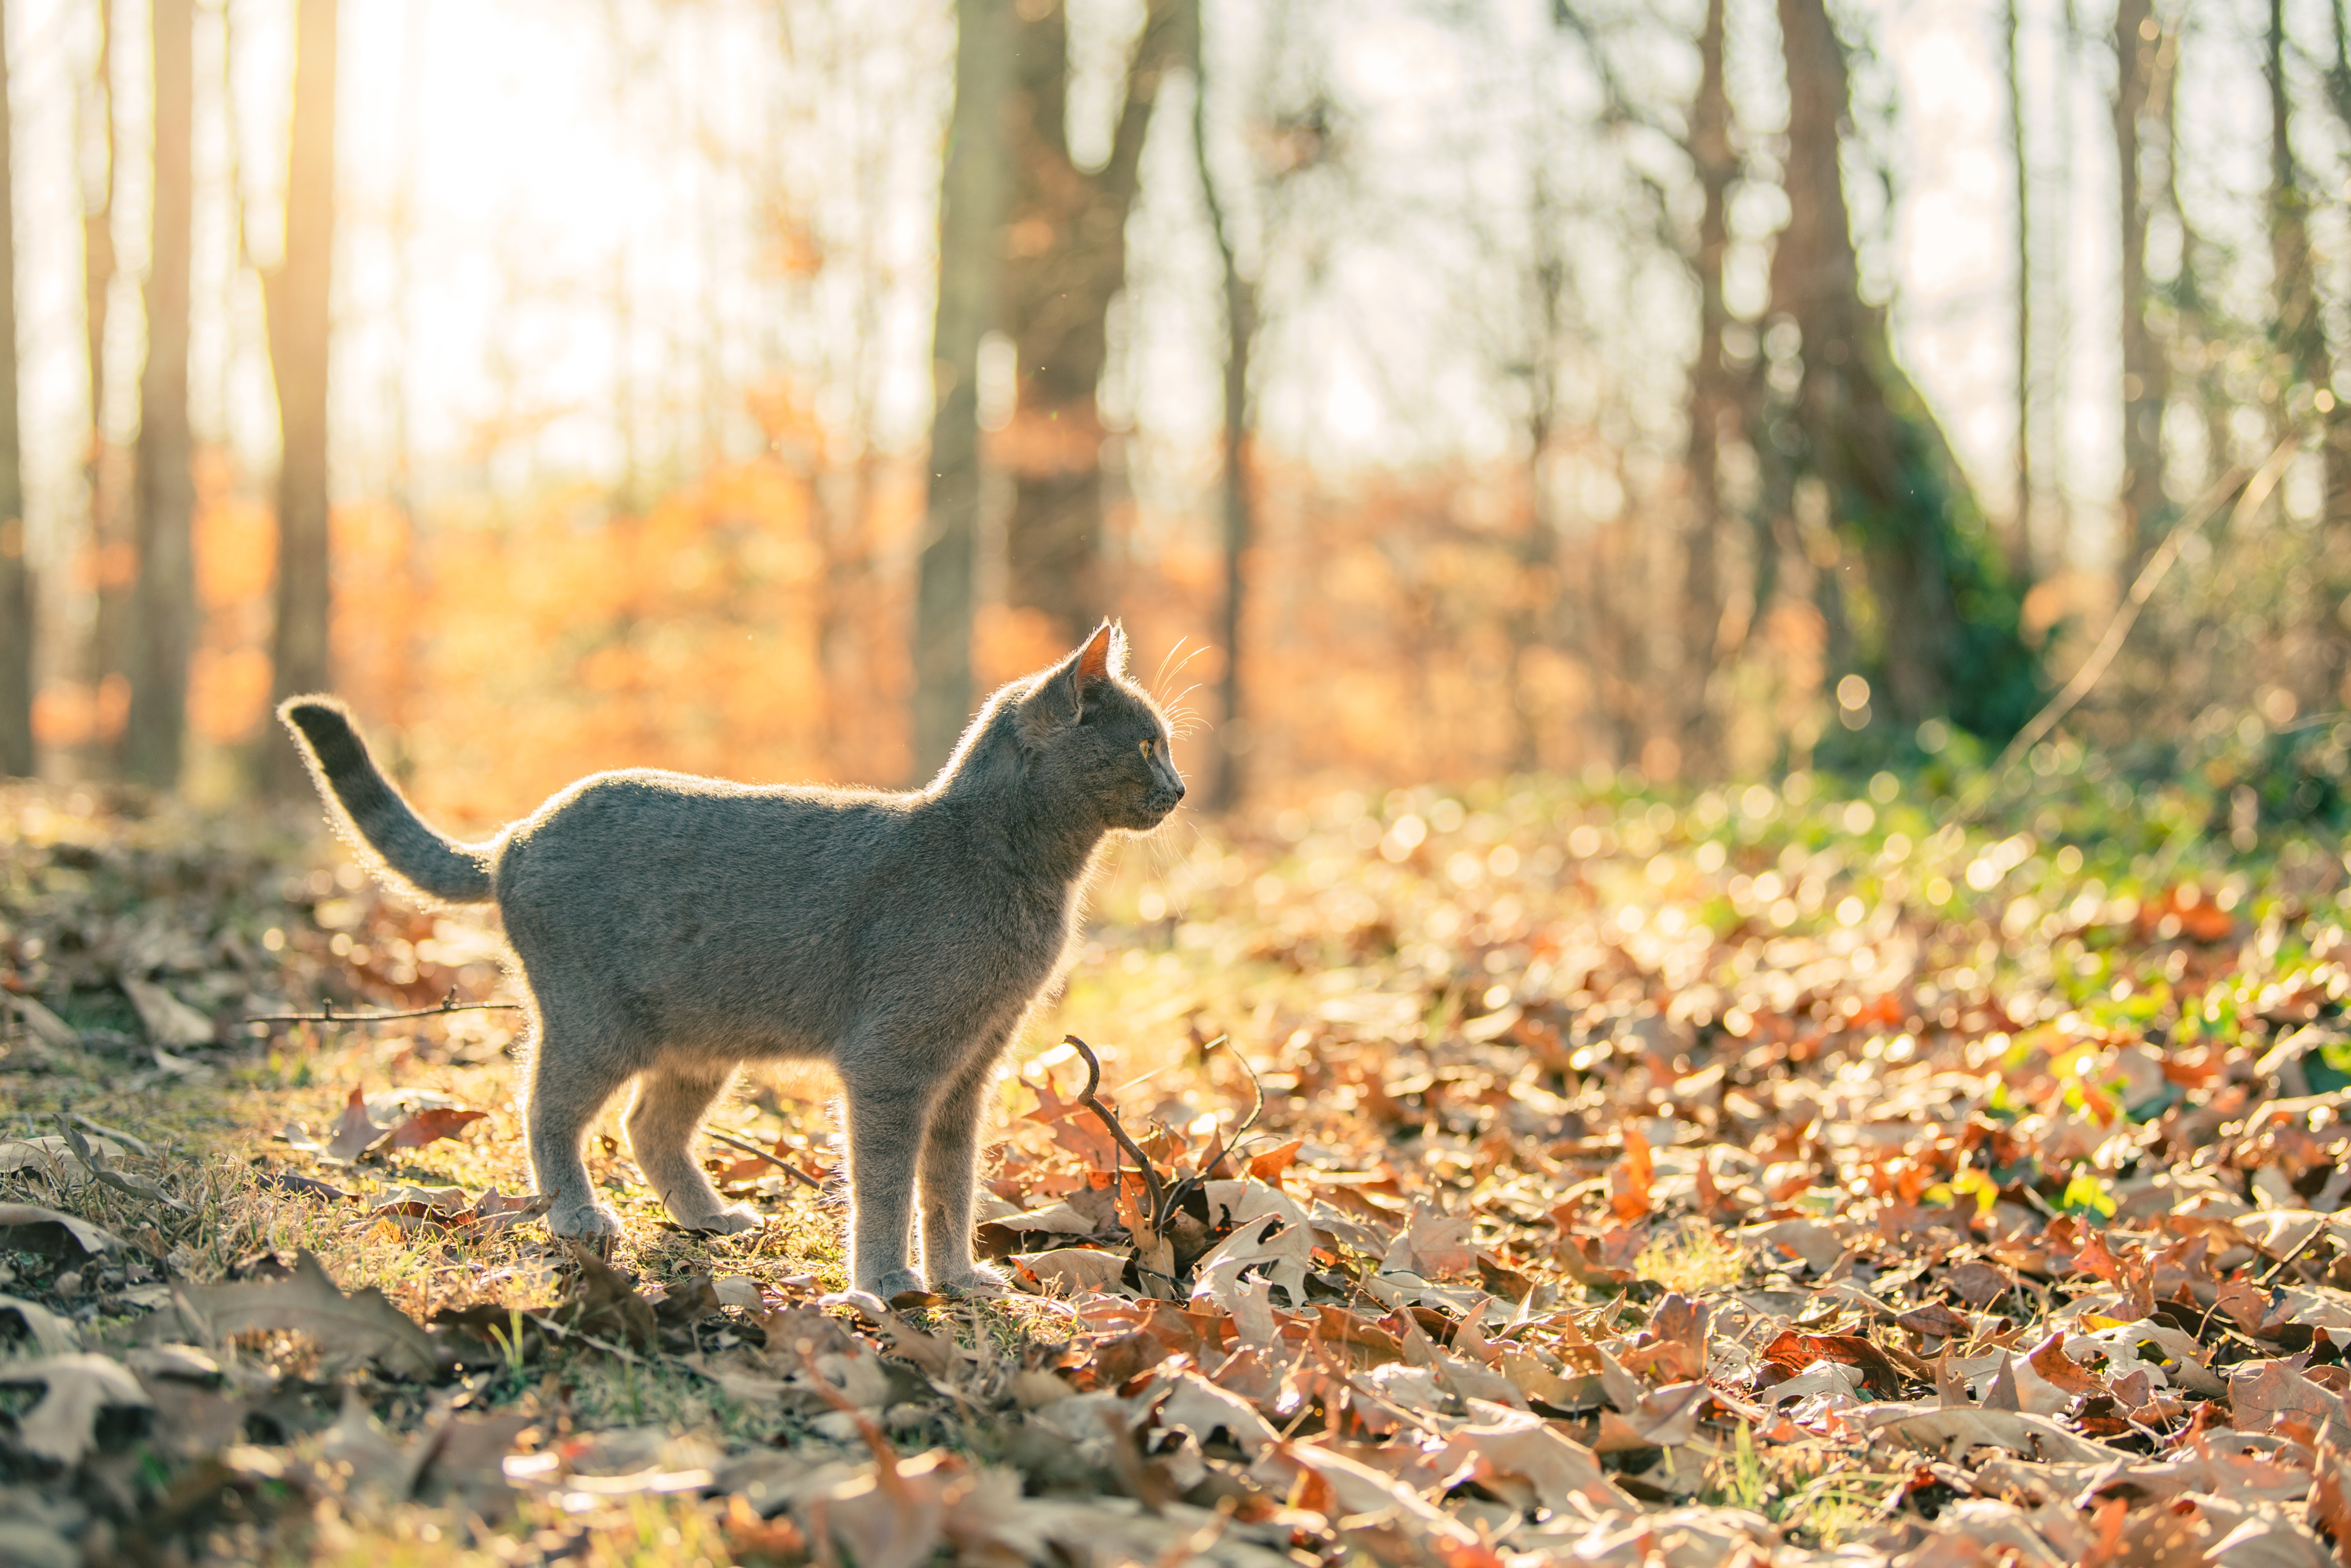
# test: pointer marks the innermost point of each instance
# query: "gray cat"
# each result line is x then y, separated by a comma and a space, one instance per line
670, 928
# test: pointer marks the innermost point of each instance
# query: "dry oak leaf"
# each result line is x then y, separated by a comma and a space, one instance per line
891, 1517
1433, 1245
435, 1123
1070, 1270
45, 1025
169, 1021
355, 1131
604, 1303
1983, 1529
1954, 1431
50, 1335
2274, 1396
63, 1424
1517, 1453
2263, 1535
28, 1228
1677, 1538
1356, 1488
1808, 1239
1188, 1402
1794, 1350
1271, 1235
1272, 1165
363, 1323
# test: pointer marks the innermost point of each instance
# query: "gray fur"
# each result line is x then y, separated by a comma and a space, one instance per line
670, 928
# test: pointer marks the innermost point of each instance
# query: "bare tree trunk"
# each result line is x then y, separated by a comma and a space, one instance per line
2019, 543
1067, 242
17, 641
105, 468
2301, 336
974, 189
1238, 499
1939, 623
2136, 35
1713, 399
1533, 588
162, 629
298, 293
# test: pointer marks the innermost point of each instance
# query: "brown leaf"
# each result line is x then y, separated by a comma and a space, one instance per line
355, 1131
1630, 1181
28, 1228
605, 1304
2050, 1360
364, 1323
2245, 1303
426, 1126
2329, 1508
1977, 1283
1793, 1352
1935, 1321
63, 1424
2274, 1396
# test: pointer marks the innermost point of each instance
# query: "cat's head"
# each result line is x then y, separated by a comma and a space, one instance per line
1093, 735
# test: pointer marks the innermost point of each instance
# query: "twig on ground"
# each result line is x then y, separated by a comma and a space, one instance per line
2256, 487
1152, 1189
2284, 1263
449, 1004
1190, 1185
756, 1153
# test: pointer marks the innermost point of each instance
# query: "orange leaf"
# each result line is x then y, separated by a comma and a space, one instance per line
428, 1126
1269, 1166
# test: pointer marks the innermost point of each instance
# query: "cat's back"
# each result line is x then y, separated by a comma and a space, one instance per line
691, 834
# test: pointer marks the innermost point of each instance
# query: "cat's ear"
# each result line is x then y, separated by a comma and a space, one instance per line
1060, 697
1104, 657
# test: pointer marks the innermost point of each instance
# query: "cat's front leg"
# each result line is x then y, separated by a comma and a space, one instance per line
885, 1136
950, 1174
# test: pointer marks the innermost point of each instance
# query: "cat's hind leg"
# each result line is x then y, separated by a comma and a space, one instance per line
950, 1173
661, 1123
576, 1066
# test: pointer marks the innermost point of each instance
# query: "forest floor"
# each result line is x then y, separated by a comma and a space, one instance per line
1779, 1174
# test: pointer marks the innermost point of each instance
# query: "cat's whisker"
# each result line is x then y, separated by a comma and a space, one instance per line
1159, 681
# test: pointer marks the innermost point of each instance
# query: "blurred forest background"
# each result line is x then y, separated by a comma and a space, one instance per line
1651, 392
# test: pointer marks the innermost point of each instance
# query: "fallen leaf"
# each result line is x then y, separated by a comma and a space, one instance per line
50, 1335
427, 1127
1954, 1431
1271, 1167
28, 1228
1068, 1270
363, 1323
64, 1426
169, 1021
1793, 1352
355, 1131
605, 1304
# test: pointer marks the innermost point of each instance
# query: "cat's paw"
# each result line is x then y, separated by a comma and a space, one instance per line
584, 1222
897, 1283
732, 1221
590, 1224
982, 1280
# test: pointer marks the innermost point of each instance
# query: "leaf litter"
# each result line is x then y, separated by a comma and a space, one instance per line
1590, 1179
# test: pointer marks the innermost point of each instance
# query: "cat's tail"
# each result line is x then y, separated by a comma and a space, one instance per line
375, 814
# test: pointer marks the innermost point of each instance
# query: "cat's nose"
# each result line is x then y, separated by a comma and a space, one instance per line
1179, 789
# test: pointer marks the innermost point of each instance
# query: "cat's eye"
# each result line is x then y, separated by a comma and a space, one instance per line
1145, 747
